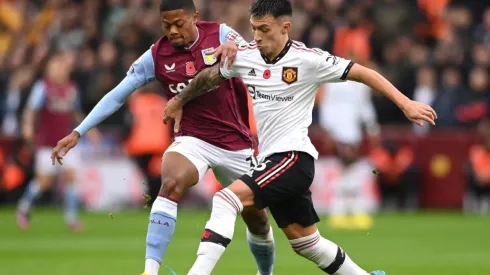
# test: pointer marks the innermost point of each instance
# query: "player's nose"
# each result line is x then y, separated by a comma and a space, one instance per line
174, 31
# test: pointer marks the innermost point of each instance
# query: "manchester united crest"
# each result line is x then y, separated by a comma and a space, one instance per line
289, 74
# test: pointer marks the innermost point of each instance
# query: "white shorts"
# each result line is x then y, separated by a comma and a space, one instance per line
227, 165
43, 164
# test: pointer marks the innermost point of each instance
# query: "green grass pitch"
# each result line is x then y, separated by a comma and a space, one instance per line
411, 244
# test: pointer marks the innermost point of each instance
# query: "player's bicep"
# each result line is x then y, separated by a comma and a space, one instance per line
331, 68
358, 73
142, 71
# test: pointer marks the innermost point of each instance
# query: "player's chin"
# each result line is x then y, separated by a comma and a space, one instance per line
178, 42
262, 50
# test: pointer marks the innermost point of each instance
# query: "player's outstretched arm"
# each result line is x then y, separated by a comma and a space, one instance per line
415, 111
108, 105
141, 72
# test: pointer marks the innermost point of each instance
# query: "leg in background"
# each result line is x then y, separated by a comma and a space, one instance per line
42, 181
153, 182
408, 194
71, 199
260, 239
36, 187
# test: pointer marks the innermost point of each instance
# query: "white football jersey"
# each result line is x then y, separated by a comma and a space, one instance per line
283, 92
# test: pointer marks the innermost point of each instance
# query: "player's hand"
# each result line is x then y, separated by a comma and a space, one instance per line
63, 146
227, 50
418, 113
173, 111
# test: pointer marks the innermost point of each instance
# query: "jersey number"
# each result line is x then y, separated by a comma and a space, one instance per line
255, 166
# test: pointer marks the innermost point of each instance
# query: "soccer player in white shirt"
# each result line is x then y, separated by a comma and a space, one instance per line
283, 77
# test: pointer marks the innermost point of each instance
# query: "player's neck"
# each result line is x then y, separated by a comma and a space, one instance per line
195, 38
276, 52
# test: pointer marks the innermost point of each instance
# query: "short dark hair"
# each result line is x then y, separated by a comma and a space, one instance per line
171, 5
276, 8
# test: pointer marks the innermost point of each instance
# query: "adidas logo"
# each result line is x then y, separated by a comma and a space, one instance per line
252, 73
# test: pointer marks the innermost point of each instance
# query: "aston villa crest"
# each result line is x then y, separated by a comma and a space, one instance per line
209, 59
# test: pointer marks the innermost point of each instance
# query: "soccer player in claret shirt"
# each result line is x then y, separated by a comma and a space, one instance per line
214, 133
282, 76
52, 107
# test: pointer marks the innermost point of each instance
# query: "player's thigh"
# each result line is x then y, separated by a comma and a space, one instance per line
280, 177
296, 216
71, 164
43, 165
185, 161
231, 165
44, 170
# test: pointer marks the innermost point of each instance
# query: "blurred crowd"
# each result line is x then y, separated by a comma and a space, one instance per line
434, 51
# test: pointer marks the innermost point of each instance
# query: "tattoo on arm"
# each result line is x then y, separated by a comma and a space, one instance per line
203, 82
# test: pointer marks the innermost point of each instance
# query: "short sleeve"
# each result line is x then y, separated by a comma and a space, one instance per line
36, 98
226, 34
330, 68
142, 71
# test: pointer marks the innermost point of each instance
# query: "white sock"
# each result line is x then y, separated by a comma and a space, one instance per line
218, 233
151, 267
326, 254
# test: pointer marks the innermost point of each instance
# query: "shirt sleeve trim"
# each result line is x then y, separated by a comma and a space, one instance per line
347, 70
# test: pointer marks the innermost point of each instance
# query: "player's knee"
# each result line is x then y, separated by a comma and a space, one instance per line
173, 188
257, 221
44, 182
69, 176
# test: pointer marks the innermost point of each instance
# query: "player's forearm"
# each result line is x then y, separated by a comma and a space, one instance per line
28, 123
107, 106
378, 83
203, 82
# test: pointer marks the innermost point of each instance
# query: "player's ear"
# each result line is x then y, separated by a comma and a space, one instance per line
195, 16
286, 27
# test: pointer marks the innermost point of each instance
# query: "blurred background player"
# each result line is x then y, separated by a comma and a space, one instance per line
214, 134
346, 110
147, 137
52, 108
397, 175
